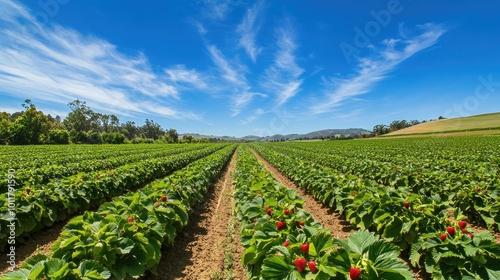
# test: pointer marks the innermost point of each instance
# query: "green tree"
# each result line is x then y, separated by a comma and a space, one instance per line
152, 130
130, 130
58, 136
80, 118
173, 136
5, 124
30, 126
187, 138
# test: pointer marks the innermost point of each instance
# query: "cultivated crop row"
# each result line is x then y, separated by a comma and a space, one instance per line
282, 241
30, 175
416, 223
46, 204
44, 174
124, 237
27, 157
471, 185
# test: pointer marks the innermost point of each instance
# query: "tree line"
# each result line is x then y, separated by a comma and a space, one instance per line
81, 126
380, 129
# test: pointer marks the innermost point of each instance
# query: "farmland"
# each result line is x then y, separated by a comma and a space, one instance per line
424, 208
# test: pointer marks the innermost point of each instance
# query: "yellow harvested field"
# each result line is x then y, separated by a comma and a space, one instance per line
486, 121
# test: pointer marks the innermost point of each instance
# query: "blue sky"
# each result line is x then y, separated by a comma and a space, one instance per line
253, 67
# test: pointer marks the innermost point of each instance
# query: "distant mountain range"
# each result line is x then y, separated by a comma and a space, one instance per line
326, 133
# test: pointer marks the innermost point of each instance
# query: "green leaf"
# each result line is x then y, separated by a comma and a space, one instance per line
275, 267
34, 260
393, 229
93, 270
248, 255
360, 240
320, 242
56, 268
21, 274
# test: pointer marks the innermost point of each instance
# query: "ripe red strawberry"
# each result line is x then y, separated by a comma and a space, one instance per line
465, 230
286, 243
407, 204
269, 211
450, 230
28, 190
301, 223
312, 267
462, 224
354, 273
300, 264
305, 248
163, 198
287, 212
470, 235
280, 225
478, 189
130, 219
255, 220
443, 236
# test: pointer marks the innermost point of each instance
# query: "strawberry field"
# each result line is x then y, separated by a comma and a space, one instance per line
424, 208
436, 199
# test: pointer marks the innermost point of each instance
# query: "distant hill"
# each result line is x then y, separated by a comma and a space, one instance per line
477, 122
326, 133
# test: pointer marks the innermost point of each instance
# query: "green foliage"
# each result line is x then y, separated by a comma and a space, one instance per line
58, 136
113, 138
406, 199
123, 239
51, 201
29, 127
262, 203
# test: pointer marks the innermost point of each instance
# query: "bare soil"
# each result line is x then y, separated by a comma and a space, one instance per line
199, 251
38, 243
321, 213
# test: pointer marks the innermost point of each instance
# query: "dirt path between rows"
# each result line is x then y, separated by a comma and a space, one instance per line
38, 243
325, 215
208, 248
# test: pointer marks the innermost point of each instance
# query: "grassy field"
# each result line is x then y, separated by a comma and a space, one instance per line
486, 122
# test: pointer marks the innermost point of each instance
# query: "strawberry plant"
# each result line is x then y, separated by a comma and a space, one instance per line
57, 201
302, 250
125, 235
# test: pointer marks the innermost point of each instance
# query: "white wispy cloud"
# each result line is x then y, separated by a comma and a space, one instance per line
371, 70
180, 74
217, 9
235, 81
248, 29
229, 72
257, 113
58, 64
283, 76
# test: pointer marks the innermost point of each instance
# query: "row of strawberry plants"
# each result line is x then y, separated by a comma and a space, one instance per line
44, 174
123, 239
404, 150
465, 183
41, 207
28, 157
416, 223
282, 241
